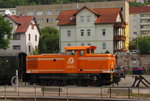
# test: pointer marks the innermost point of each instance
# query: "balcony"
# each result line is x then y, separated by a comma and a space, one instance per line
119, 38
119, 50
147, 17
145, 29
145, 23
120, 24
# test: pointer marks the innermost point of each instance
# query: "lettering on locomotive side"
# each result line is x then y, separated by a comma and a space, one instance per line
70, 66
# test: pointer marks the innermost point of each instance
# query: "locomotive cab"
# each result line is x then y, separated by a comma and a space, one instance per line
72, 57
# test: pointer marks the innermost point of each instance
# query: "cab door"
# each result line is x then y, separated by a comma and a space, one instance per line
71, 62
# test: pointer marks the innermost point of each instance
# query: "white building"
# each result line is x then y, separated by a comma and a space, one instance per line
102, 27
25, 33
7, 11
139, 22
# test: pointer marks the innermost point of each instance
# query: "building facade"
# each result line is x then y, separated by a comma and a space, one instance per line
25, 33
104, 28
46, 14
139, 23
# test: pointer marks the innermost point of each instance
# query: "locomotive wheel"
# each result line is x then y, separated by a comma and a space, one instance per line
78, 82
64, 83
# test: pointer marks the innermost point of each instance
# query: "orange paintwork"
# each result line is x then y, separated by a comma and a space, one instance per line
79, 59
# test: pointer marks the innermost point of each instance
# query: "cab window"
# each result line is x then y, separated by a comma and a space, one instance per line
88, 51
81, 52
92, 51
71, 52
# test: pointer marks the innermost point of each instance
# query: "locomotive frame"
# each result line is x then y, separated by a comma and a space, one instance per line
78, 65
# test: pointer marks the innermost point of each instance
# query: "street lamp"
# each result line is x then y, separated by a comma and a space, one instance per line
137, 49
137, 46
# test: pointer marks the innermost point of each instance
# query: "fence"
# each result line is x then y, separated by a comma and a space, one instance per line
73, 91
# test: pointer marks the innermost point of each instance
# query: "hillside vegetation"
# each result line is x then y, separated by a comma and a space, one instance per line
14, 3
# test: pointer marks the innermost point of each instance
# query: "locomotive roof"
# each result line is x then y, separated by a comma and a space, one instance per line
9, 52
79, 47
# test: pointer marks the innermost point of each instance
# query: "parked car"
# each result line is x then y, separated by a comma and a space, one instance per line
138, 70
134, 52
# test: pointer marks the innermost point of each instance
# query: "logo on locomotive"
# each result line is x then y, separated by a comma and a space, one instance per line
71, 60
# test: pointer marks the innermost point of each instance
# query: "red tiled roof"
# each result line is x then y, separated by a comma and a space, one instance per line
88, 9
22, 21
105, 15
66, 17
134, 10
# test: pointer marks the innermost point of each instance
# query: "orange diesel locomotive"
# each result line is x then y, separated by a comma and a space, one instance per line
77, 66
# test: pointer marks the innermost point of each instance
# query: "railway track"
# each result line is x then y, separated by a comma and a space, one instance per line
40, 98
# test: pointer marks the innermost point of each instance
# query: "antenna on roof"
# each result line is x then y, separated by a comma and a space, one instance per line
21, 14
77, 6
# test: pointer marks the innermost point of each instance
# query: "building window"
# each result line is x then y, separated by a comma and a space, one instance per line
142, 27
82, 32
69, 33
69, 44
57, 12
89, 44
36, 47
82, 44
104, 45
16, 47
29, 36
35, 37
32, 25
134, 27
88, 32
39, 13
49, 12
29, 48
82, 18
134, 21
16, 36
30, 13
104, 32
134, 32
88, 18
39, 20
50, 20
20, 13
11, 24
142, 15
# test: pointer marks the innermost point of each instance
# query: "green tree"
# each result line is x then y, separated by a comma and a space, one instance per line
49, 40
136, 4
133, 44
5, 33
12, 3
84, 0
143, 45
